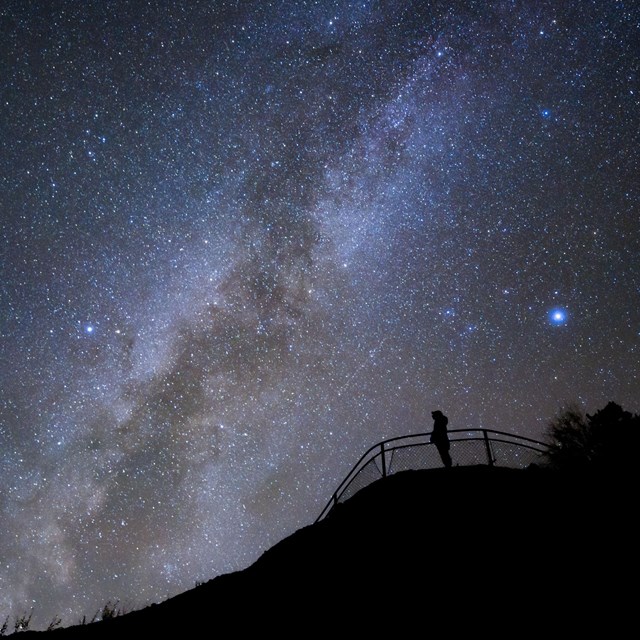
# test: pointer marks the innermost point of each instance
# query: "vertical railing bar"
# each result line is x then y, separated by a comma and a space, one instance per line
487, 445
393, 453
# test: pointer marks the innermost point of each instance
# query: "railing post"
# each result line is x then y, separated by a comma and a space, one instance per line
487, 445
384, 461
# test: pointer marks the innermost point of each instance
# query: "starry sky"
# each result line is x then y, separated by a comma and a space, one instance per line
243, 241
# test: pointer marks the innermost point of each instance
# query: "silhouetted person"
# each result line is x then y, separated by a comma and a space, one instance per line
439, 436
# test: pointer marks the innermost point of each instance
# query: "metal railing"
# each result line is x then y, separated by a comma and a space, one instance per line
468, 447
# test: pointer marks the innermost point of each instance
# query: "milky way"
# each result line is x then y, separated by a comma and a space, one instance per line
241, 242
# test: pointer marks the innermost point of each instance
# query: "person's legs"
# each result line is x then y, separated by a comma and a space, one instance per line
443, 450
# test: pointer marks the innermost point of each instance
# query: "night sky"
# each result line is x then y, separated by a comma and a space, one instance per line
241, 242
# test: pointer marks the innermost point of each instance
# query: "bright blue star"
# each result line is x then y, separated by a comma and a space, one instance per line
558, 316
89, 328
545, 113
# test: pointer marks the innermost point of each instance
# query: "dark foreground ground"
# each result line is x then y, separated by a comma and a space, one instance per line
437, 552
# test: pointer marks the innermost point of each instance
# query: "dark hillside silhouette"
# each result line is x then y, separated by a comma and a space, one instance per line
460, 550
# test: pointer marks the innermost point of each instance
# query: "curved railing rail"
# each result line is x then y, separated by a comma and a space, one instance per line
468, 447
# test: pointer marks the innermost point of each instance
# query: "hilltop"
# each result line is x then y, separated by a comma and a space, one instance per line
459, 549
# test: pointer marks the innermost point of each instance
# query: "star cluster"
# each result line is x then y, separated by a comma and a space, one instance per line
241, 242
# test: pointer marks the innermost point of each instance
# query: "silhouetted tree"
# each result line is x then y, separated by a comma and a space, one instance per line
606, 440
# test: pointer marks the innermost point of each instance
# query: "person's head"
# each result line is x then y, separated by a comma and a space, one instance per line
436, 414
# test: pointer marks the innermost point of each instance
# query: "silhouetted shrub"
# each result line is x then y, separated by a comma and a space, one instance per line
110, 610
55, 623
22, 622
606, 440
